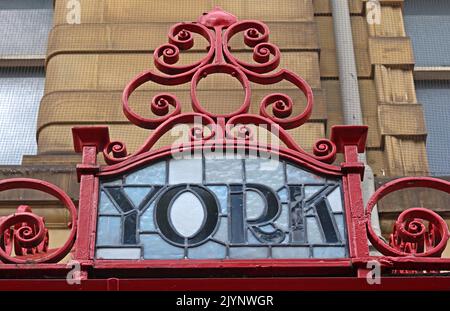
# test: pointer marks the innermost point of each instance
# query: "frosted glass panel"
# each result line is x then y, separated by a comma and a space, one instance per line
222, 230
255, 205
283, 195
119, 253
109, 231
290, 252
272, 172
137, 194
147, 223
341, 225
283, 221
209, 250
311, 191
329, 252
154, 174
223, 170
248, 252
115, 182
106, 206
185, 171
314, 233
156, 248
221, 193
335, 200
187, 214
298, 176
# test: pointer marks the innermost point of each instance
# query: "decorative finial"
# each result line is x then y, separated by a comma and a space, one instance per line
217, 17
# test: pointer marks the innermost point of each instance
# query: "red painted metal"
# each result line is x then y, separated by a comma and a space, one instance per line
26, 238
218, 28
281, 284
410, 236
29, 229
412, 246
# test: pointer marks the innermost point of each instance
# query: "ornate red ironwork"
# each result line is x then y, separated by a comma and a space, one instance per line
218, 28
26, 238
410, 236
418, 240
24, 233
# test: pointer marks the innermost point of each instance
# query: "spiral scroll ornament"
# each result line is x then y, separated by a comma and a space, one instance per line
218, 27
27, 234
23, 235
418, 231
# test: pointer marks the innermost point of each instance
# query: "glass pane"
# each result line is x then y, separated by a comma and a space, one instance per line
311, 191
335, 200
314, 233
223, 170
137, 194
185, 171
299, 176
341, 225
221, 193
248, 252
422, 20
21, 90
119, 253
255, 205
187, 214
209, 250
115, 182
25, 32
106, 206
151, 175
283, 220
283, 195
146, 221
25, 4
109, 231
434, 97
222, 231
329, 252
272, 172
129, 228
290, 252
118, 195
156, 248
326, 222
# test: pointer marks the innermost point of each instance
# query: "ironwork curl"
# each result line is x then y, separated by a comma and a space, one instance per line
25, 232
410, 236
218, 27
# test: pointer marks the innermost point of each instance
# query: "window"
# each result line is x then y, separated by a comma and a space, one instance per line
218, 209
427, 22
434, 96
21, 90
24, 28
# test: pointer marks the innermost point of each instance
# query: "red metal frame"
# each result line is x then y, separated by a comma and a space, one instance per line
412, 246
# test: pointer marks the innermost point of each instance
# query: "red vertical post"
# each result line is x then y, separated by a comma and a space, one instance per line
88, 141
356, 219
350, 140
88, 193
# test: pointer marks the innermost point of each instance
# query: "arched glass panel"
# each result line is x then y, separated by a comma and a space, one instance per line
221, 209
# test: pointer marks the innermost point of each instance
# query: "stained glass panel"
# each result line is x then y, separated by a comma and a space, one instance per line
219, 209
